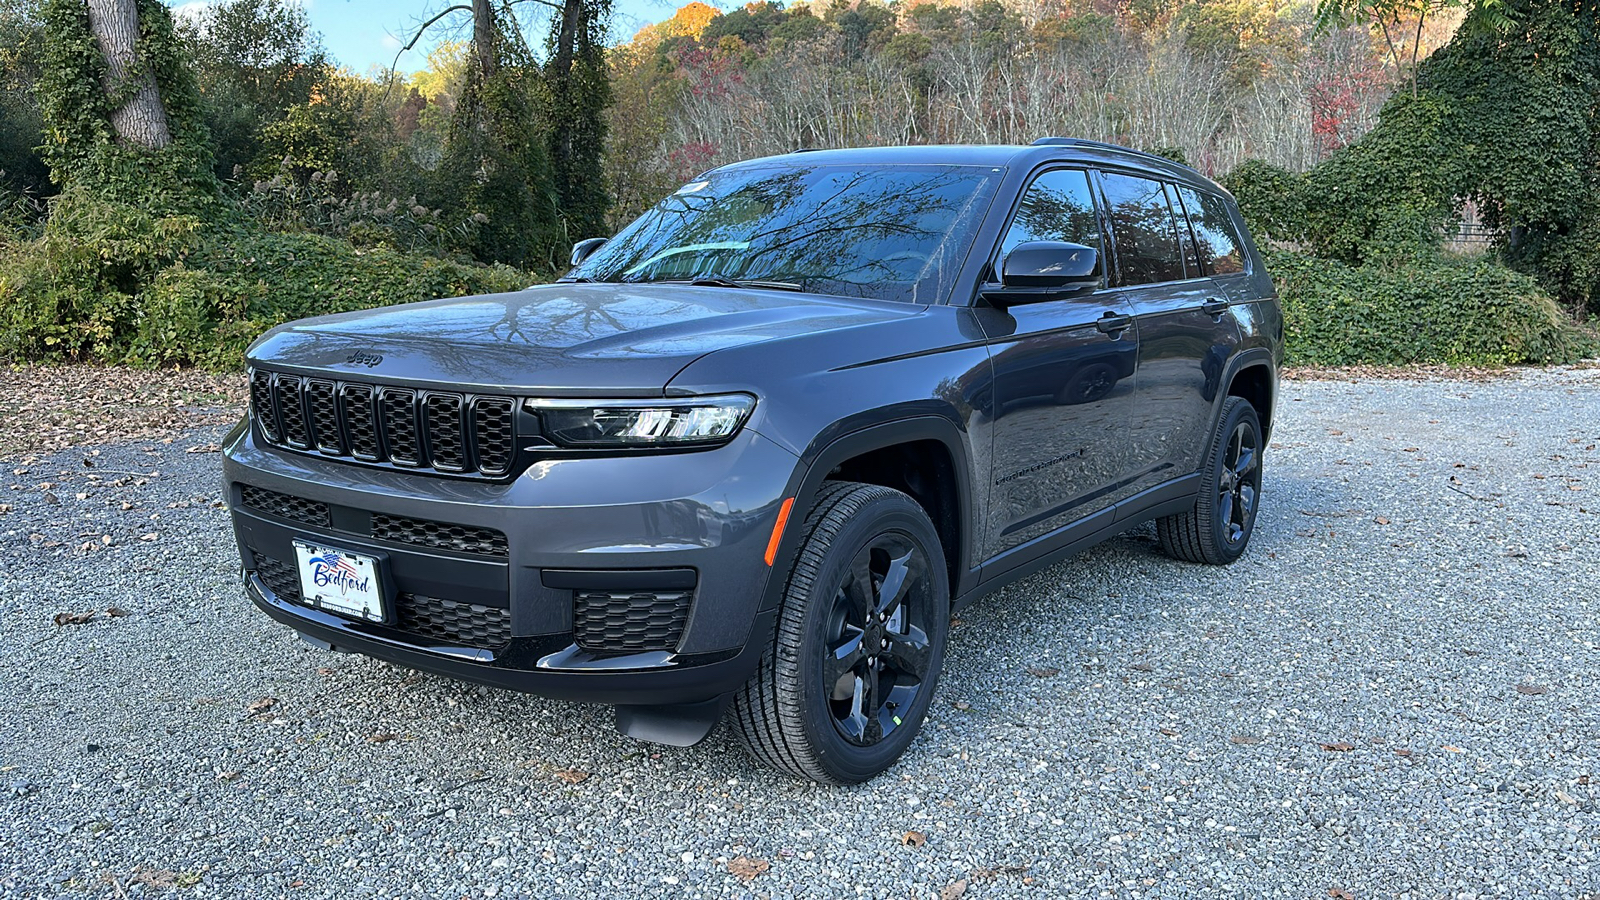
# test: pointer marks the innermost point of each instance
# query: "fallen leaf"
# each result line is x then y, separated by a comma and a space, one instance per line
1340, 894
953, 890
1381, 520
1142, 667
1245, 739
746, 869
1338, 747
572, 776
205, 448
1566, 798
1532, 689
913, 839
1449, 749
1402, 752
116, 612
381, 737
68, 618
1043, 671
1168, 732
149, 537
262, 705
962, 705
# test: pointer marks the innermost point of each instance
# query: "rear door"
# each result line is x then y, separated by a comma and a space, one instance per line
1186, 335
1058, 402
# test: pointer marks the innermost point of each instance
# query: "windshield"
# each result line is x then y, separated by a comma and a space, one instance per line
892, 233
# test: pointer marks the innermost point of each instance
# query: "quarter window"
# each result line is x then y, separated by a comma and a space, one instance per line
1214, 233
1142, 229
1058, 206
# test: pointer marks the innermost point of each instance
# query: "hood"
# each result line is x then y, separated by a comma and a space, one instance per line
558, 339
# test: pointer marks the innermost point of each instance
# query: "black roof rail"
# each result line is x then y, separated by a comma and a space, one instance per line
1081, 142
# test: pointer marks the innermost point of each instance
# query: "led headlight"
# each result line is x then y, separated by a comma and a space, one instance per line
686, 422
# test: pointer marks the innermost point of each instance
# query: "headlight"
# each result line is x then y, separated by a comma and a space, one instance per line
687, 422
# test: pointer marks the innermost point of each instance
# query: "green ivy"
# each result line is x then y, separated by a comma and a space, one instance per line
1507, 119
1457, 311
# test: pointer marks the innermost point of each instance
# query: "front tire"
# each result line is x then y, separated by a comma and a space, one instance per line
1218, 528
843, 688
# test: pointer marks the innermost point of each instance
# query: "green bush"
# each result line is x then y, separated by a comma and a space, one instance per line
204, 307
1442, 309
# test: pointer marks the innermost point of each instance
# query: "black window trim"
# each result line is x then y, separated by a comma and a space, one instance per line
1165, 182
991, 268
1246, 266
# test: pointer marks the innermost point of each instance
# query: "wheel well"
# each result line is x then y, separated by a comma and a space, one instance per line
925, 471
1254, 384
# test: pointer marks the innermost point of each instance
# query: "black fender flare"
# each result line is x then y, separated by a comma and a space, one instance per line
826, 453
1254, 357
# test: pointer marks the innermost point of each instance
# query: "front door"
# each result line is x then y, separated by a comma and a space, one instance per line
1058, 402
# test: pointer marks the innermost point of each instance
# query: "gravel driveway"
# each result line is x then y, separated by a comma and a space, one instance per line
1392, 695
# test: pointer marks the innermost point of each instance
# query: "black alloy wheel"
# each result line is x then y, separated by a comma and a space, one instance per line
1217, 530
879, 652
844, 685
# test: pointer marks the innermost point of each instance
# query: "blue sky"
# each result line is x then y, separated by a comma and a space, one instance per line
363, 33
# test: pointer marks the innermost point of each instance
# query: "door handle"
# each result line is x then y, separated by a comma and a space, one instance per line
1215, 306
1113, 323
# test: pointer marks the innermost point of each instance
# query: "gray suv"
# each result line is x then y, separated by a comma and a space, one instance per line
748, 456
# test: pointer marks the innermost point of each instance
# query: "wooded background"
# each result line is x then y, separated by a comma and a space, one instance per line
170, 188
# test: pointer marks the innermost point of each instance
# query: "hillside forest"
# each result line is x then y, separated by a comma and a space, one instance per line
1424, 173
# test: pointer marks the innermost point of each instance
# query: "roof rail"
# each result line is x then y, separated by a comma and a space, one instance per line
1080, 142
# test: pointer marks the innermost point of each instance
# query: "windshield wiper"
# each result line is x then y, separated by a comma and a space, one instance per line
727, 282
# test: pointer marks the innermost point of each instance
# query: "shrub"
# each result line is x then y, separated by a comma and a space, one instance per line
205, 307
1440, 309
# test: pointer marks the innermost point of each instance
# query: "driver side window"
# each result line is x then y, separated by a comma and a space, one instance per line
1058, 206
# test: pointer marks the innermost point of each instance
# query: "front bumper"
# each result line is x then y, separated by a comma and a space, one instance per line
572, 529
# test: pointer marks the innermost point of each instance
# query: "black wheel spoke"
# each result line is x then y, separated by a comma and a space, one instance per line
909, 653
1245, 463
894, 583
839, 669
871, 705
858, 588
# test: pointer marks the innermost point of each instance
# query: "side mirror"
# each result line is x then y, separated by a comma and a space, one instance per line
585, 248
1036, 271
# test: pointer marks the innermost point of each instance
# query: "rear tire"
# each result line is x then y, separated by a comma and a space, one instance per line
1217, 530
843, 688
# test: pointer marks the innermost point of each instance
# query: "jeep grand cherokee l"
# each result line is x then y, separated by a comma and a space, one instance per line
748, 456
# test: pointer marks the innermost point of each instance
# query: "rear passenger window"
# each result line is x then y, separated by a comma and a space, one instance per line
1214, 233
1058, 206
1143, 230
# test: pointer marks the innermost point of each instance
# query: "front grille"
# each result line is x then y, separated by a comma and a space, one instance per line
440, 431
629, 622
285, 507
467, 624
282, 581
441, 535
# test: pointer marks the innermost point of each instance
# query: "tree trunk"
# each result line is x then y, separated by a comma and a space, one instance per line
142, 120
483, 38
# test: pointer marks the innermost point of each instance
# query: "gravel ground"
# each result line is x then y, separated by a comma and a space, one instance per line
1392, 695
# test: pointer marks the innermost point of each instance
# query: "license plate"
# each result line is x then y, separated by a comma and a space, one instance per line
340, 581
